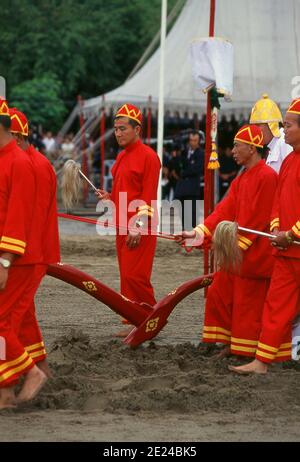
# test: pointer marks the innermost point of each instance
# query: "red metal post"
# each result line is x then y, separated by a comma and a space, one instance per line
212, 18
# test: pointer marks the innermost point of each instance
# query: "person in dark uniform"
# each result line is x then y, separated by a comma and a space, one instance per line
188, 186
228, 170
174, 169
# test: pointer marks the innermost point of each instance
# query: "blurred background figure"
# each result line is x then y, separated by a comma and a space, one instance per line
227, 172
67, 148
35, 139
175, 167
49, 143
165, 175
188, 189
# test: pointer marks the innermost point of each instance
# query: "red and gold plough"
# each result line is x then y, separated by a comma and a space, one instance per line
148, 320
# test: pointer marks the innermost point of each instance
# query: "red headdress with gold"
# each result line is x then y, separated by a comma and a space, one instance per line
130, 111
294, 107
19, 122
250, 134
4, 110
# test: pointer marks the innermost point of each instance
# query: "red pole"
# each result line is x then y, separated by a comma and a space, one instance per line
83, 147
211, 34
208, 174
149, 121
212, 18
102, 137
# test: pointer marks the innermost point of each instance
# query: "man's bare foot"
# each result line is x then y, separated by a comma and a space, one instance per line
34, 381
7, 406
7, 398
44, 367
255, 367
224, 353
124, 332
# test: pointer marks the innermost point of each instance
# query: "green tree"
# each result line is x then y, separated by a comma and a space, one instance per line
40, 100
90, 46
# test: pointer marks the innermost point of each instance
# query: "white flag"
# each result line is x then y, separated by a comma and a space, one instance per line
212, 64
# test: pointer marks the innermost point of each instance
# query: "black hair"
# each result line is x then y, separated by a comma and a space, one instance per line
299, 120
133, 123
194, 132
262, 152
5, 121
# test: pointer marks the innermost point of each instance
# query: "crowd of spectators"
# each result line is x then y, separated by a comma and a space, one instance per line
177, 151
57, 150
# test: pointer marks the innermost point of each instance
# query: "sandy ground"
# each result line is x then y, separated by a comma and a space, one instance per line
169, 389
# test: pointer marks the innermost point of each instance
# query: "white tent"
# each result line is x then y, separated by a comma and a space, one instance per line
266, 39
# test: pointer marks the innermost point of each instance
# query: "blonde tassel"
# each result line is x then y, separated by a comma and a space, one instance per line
227, 253
70, 184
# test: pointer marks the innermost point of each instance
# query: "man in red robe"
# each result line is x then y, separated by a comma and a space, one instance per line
134, 193
17, 198
45, 245
282, 302
235, 299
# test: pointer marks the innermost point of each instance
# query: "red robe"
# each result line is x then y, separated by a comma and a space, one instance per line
282, 303
45, 246
235, 301
17, 197
136, 172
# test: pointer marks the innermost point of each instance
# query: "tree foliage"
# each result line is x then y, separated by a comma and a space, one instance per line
57, 49
39, 99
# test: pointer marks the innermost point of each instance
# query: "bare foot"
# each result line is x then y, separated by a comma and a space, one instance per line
255, 367
7, 398
44, 367
34, 381
224, 353
124, 332
7, 406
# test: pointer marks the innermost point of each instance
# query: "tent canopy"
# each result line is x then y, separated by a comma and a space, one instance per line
266, 40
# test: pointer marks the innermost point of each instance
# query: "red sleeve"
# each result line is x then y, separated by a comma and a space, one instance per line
20, 208
150, 185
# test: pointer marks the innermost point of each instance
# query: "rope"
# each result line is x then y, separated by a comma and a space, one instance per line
106, 224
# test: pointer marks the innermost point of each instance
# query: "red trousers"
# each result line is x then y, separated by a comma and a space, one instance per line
280, 309
24, 318
135, 266
233, 312
17, 361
